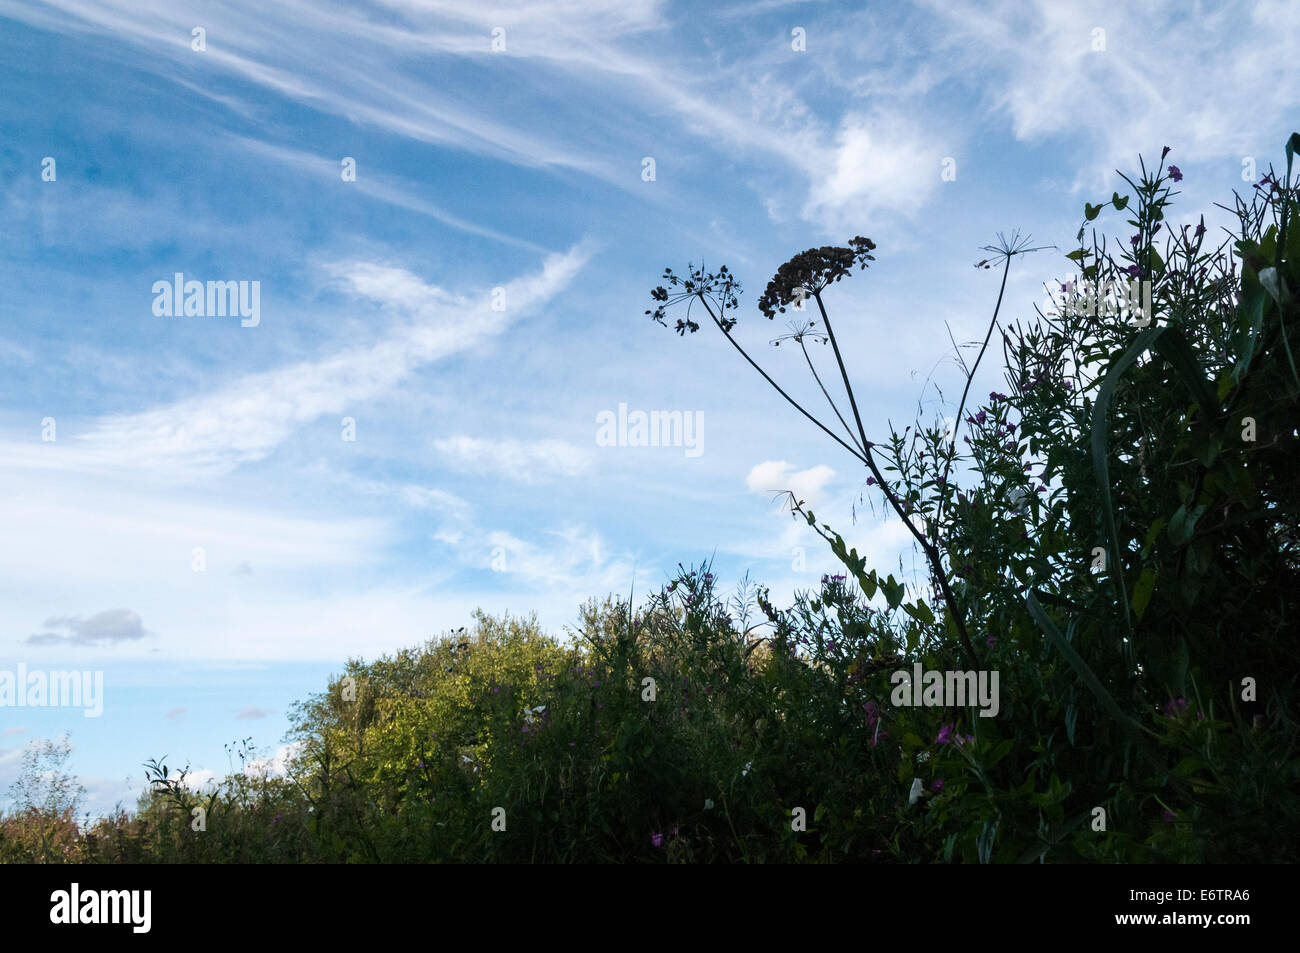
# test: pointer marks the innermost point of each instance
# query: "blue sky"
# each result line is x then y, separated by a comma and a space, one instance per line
474, 299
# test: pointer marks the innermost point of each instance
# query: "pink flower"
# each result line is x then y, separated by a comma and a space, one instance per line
657, 839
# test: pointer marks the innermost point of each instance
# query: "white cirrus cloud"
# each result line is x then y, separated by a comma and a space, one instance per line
528, 461
247, 419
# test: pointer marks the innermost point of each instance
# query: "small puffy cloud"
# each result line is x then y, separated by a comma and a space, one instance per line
776, 476
108, 627
879, 163
252, 713
15, 730
275, 766
197, 779
176, 713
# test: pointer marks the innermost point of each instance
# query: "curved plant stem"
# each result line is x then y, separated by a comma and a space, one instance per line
961, 406
932, 554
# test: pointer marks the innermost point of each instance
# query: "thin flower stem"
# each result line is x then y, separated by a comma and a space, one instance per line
931, 552
818, 379
777, 386
961, 406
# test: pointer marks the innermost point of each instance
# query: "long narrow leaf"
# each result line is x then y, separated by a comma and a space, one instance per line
1173, 347
1078, 664
1101, 462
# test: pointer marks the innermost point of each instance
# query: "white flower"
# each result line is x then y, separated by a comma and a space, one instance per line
708, 804
748, 765
915, 794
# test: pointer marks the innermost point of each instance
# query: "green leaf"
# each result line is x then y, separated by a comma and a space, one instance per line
1090, 211
986, 839
1142, 591
1119, 203
920, 612
1252, 309
1076, 255
893, 591
1183, 523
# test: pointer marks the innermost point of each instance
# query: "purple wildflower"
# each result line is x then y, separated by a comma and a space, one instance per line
1175, 173
657, 839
